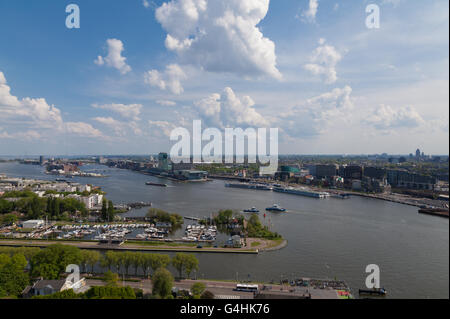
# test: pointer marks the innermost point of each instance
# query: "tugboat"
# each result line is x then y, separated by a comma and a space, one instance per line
276, 208
251, 210
373, 292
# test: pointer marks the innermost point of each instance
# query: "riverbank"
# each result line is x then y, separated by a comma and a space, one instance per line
263, 245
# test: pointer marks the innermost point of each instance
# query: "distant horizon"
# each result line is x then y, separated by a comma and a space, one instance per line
153, 154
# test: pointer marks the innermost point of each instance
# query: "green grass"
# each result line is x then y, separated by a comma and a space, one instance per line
275, 242
256, 244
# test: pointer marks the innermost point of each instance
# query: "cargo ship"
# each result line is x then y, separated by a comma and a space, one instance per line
156, 184
249, 186
301, 192
441, 212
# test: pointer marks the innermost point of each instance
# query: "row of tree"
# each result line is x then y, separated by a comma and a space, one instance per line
147, 262
19, 265
33, 206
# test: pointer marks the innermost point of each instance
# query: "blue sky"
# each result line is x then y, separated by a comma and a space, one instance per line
134, 72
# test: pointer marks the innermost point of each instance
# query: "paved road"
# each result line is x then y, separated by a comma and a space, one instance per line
217, 288
224, 289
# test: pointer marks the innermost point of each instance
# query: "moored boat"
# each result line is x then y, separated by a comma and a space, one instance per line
373, 292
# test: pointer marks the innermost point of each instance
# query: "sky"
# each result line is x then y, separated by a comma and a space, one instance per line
137, 69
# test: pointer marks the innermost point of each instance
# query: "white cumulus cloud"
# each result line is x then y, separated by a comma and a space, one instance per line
170, 79
83, 129
220, 36
228, 110
323, 62
386, 117
313, 116
114, 58
129, 111
310, 14
166, 103
20, 115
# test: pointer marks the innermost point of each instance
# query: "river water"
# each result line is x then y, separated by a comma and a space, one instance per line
330, 238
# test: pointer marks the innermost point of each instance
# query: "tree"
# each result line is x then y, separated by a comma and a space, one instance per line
185, 262
159, 261
111, 213
127, 260
207, 295
13, 278
224, 217
162, 283
145, 263
8, 219
89, 258
159, 215
136, 261
104, 212
110, 293
93, 259
111, 279
53, 260
108, 259
197, 289
84, 259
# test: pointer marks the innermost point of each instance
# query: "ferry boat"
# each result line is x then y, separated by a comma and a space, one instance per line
251, 210
301, 192
276, 208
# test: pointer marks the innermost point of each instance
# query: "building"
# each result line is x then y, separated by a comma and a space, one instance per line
49, 287
190, 175
83, 188
33, 223
163, 161
405, 179
356, 185
353, 172
182, 166
326, 171
290, 169
311, 169
374, 172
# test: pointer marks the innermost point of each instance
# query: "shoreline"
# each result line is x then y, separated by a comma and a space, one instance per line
94, 245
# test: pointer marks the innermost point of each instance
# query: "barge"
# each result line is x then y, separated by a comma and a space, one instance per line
301, 192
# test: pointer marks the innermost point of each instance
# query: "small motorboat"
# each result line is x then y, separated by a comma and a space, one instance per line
276, 208
253, 210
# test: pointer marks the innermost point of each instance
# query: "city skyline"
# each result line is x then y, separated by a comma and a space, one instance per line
130, 74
